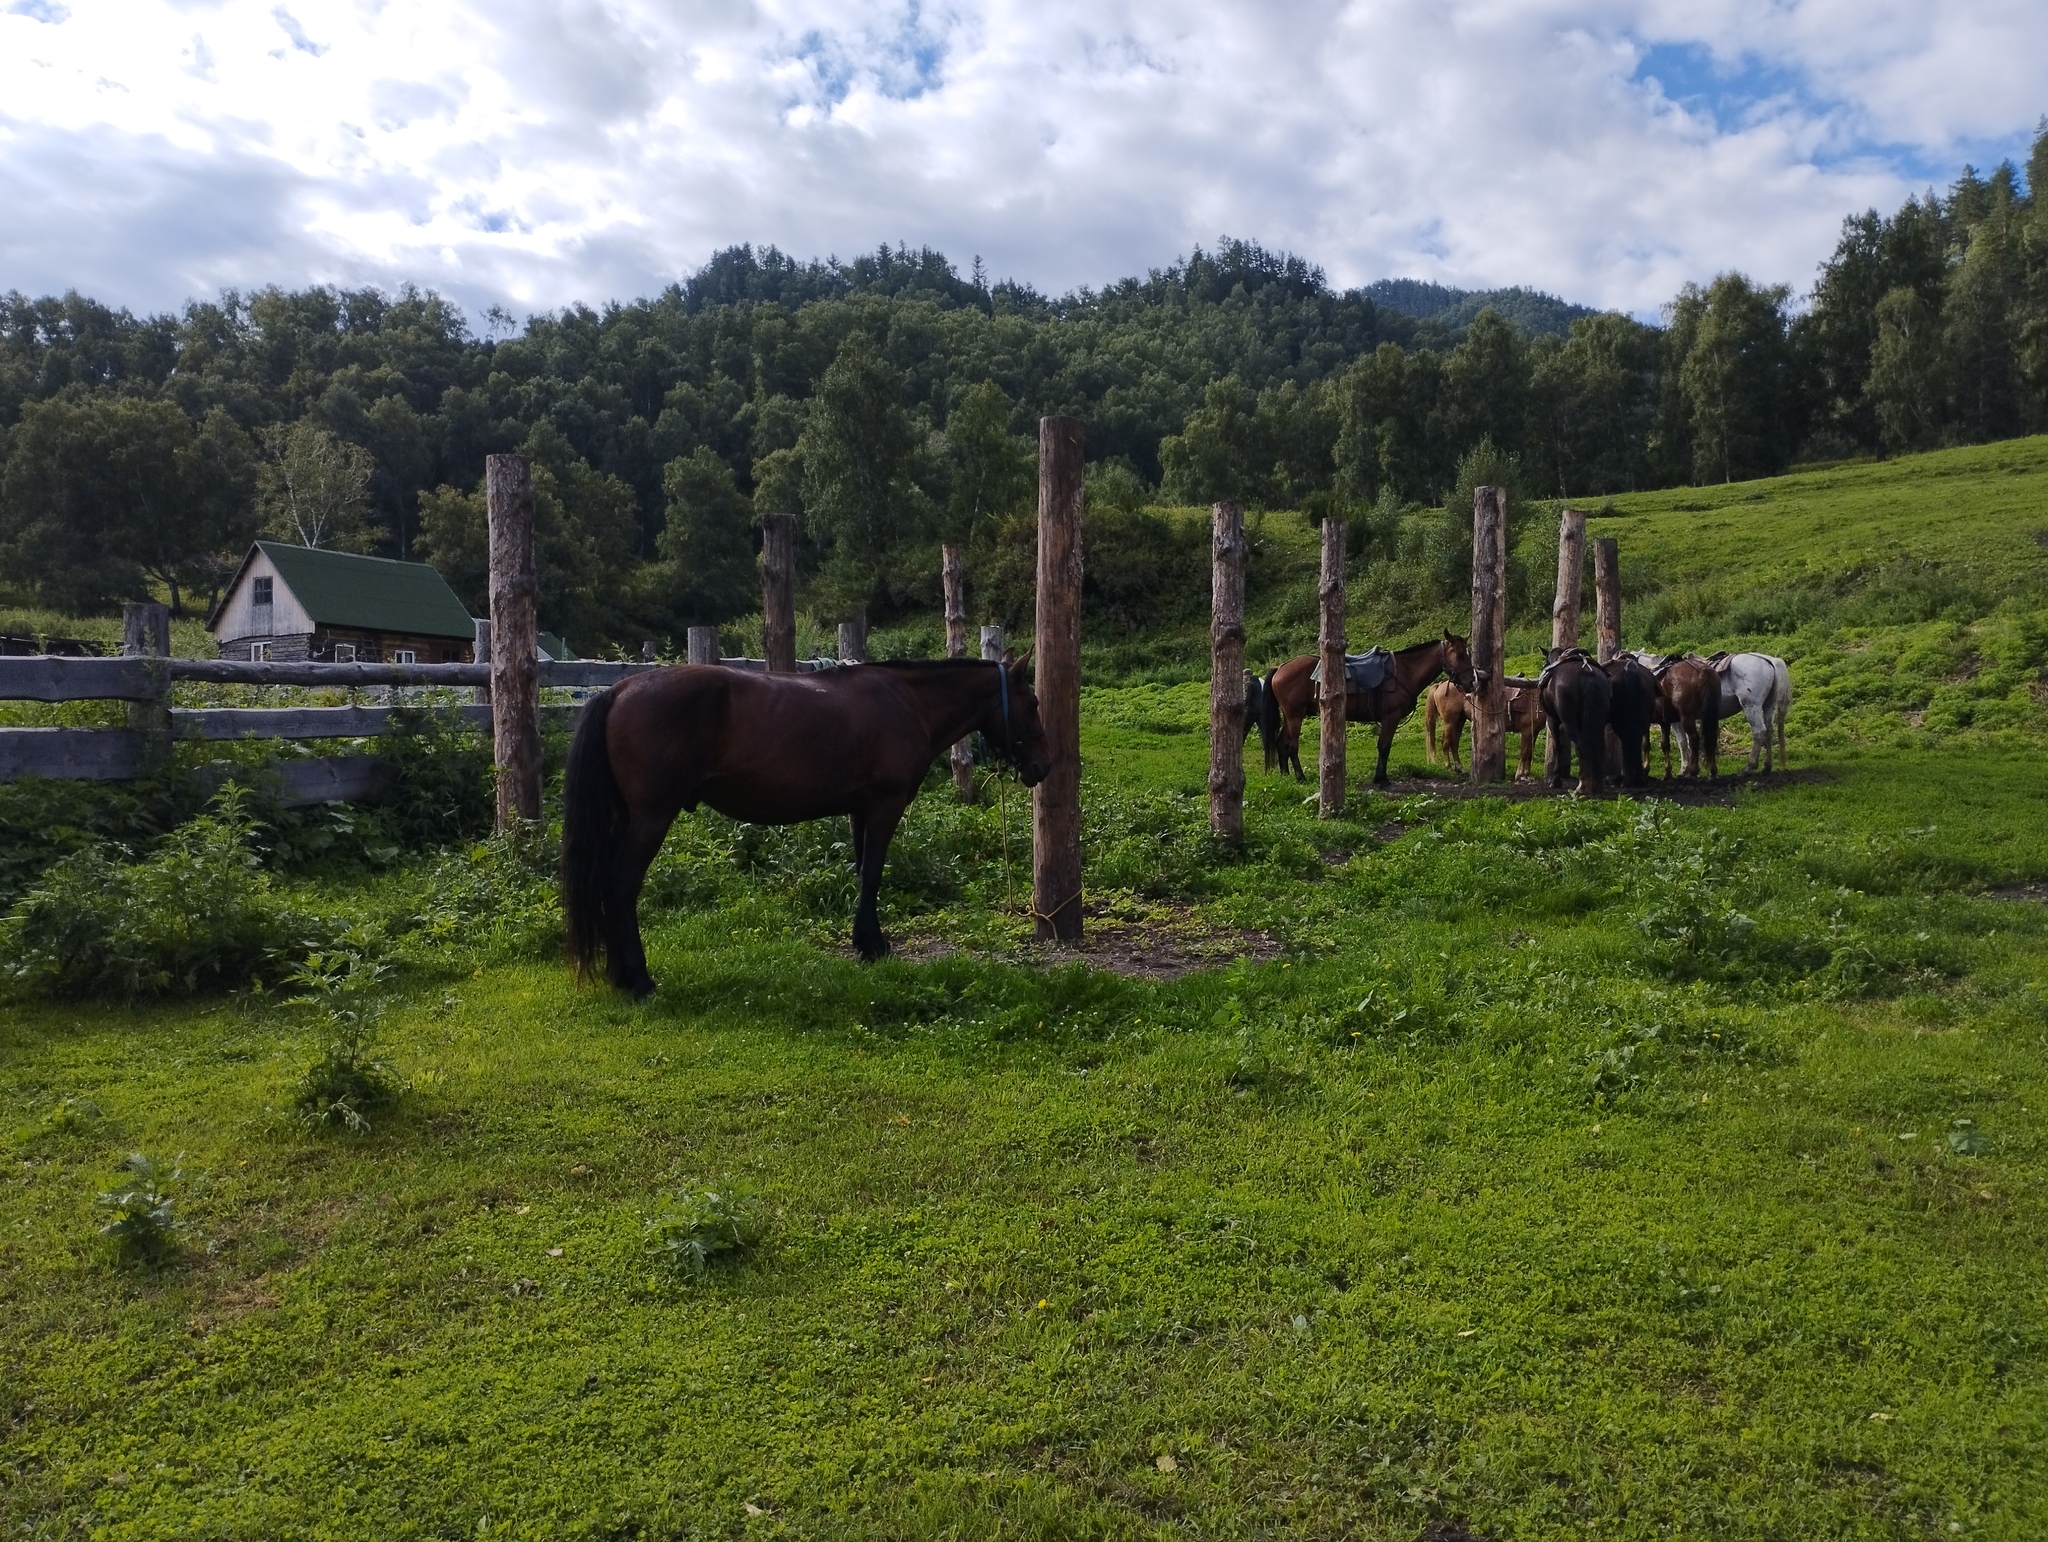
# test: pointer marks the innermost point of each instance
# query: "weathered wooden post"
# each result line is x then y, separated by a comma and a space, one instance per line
480, 653
992, 643
515, 639
1607, 595
146, 633
1226, 672
778, 592
702, 642
1489, 629
953, 579
853, 638
1564, 609
1331, 690
1056, 801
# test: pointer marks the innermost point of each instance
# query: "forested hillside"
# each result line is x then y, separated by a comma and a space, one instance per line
890, 401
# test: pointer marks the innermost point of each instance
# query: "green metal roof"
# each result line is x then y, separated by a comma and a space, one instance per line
339, 588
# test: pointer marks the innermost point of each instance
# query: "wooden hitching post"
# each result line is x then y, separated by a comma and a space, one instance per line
953, 579
853, 638
702, 642
1489, 628
146, 633
992, 642
778, 592
1607, 596
1226, 672
515, 639
1564, 609
1056, 801
1330, 690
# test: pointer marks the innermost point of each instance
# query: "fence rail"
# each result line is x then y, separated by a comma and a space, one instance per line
122, 754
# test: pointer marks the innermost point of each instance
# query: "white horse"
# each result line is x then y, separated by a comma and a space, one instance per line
1759, 686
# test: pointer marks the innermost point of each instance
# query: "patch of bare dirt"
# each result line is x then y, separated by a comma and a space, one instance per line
1139, 940
2037, 893
1691, 791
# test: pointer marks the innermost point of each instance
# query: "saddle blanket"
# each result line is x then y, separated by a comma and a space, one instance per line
1366, 671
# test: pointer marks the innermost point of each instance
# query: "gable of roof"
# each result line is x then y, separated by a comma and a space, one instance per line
378, 594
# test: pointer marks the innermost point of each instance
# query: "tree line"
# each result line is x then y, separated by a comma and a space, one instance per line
891, 402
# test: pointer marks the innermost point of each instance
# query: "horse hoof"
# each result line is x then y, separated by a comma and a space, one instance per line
639, 989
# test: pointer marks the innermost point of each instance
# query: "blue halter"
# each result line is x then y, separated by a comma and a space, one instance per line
1003, 677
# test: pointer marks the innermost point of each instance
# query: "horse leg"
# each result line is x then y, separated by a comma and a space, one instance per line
1560, 752
1379, 775
1290, 744
625, 954
1454, 743
880, 828
1759, 736
859, 825
1665, 729
1429, 723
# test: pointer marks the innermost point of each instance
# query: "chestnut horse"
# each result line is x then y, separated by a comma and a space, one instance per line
1689, 698
1444, 702
771, 750
1293, 695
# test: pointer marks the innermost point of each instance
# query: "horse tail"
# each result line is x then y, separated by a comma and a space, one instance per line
1269, 719
593, 831
1429, 717
1592, 736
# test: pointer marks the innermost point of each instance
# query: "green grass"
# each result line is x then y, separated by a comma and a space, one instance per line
1575, 1168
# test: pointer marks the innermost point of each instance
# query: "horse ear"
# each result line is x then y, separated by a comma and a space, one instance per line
1017, 664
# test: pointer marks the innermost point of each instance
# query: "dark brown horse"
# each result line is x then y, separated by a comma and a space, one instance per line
1293, 695
1576, 696
771, 750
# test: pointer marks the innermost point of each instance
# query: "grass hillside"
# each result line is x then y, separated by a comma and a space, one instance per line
1459, 1167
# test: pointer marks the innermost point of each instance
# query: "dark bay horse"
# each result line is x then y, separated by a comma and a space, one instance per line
1293, 695
771, 750
1576, 697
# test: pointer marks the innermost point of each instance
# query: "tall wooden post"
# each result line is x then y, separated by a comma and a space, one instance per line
1226, 672
953, 580
1607, 595
1056, 801
146, 633
778, 592
1564, 608
1489, 634
1571, 570
992, 642
1331, 691
515, 639
702, 642
853, 638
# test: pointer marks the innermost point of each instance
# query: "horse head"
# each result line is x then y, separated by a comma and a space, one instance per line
1458, 662
1019, 735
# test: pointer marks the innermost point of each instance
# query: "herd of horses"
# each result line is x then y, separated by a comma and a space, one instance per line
857, 743
1598, 712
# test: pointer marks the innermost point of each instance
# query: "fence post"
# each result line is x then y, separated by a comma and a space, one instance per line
953, 578
1056, 801
853, 638
703, 644
146, 633
515, 639
1489, 628
1330, 690
480, 653
778, 592
992, 643
1226, 672
1607, 595
1564, 609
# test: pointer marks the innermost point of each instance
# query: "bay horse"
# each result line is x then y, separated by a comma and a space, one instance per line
770, 750
1631, 710
1689, 699
1294, 695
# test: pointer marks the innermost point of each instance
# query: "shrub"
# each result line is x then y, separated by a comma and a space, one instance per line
349, 1081
140, 1223
198, 913
497, 898
702, 1226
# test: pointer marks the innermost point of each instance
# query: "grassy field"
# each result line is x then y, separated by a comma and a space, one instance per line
1559, 1168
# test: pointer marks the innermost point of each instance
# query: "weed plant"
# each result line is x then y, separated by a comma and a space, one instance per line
702, 1227
140, 1221
350, 1081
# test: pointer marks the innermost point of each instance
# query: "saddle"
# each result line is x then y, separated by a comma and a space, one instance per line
1550, 665
1366, 671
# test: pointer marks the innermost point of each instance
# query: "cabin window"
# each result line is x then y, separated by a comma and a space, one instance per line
404, 656
260, 592
344, 653
259, 653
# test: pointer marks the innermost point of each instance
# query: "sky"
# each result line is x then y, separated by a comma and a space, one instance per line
536, 153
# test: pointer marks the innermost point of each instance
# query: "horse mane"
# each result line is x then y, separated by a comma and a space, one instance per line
927, 663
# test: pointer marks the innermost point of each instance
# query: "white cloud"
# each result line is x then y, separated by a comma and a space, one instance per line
538, 152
